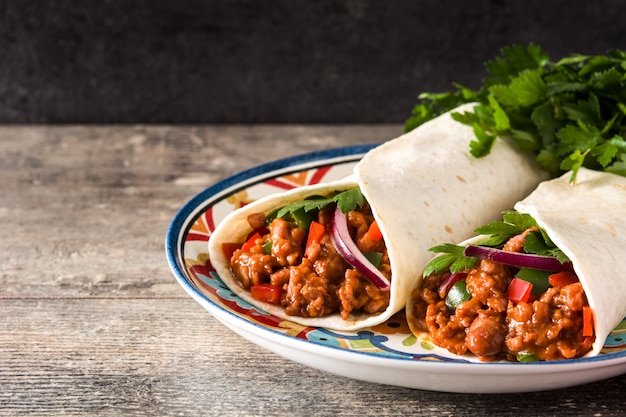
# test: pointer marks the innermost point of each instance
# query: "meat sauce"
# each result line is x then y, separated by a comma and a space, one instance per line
316, 283
492, 327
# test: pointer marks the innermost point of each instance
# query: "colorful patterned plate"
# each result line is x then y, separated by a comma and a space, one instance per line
387, 353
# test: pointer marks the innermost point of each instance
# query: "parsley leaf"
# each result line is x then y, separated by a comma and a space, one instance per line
570, 113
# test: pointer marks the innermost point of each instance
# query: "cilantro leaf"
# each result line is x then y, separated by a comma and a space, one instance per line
422, 113
543, 117
555, 88
452, 260
540, 244
577, 138
500, 118
549, 159
528, 87
496, 233
567, 113
503, 94
513, 223
573, 162
618, 167
434, 104
606, 152
349, 200
483, 143
346, 200
514, 60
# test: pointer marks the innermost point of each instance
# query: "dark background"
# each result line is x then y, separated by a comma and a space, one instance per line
283, 61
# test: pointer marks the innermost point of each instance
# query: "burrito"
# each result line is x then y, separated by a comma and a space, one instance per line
344, 255
545, 283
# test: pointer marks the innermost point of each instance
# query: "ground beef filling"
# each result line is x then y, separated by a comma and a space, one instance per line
320, 283
493, 327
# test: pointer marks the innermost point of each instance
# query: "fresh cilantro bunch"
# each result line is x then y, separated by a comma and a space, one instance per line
496, 235
570, 113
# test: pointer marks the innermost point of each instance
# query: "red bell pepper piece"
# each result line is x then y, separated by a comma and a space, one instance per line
519, 290
374, 231
267, 293
316, 231
250, 242
561, 279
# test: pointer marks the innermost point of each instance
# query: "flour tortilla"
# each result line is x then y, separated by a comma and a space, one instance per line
423, 187
587, 221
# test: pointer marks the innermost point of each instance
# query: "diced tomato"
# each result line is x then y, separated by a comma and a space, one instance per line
561, 279
316, 231
250, 242
374, 231
228, 248
519, 290
267, 293
587, 321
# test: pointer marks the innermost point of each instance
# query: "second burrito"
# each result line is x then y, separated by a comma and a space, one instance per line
546, 283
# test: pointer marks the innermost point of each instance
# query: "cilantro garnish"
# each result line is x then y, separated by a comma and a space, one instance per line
346, 200
452, 260
540, 244
513, 223
496, 235
570, 113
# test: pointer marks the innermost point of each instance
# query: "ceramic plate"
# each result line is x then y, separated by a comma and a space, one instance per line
387, 353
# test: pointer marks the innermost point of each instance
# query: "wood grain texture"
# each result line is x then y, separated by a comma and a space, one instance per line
169, 357
93, 323
88, 208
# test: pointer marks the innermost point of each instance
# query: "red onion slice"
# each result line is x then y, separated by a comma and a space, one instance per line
520, 260
450, 280
340, 237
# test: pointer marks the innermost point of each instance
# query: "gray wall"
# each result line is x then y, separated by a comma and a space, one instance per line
202, 61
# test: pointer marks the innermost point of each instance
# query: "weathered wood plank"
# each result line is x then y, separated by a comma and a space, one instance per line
170, 357
87, 208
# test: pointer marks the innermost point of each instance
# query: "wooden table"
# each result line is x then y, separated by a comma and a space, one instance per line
93, 322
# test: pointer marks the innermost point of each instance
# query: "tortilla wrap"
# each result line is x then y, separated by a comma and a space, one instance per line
423, 187
587, 221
